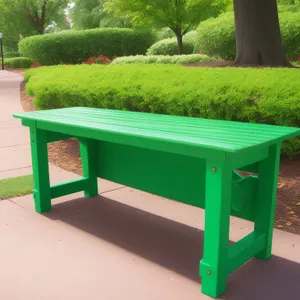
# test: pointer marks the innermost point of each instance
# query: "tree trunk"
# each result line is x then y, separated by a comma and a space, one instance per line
43, 16
180, 43
258, 38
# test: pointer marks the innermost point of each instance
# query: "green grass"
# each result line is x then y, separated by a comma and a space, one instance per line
17, 186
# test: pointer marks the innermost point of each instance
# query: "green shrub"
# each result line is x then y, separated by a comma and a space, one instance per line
162, 59
191, 36
289, 8
170, 47
12, 54
268, 96
18, 62
290, 32
164, 33
216, 37
77, 46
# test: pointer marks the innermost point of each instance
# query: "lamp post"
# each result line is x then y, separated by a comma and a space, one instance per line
1, 47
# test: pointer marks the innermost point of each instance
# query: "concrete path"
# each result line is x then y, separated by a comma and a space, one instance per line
14, 142
124, 244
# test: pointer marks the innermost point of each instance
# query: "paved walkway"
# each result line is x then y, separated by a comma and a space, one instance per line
124, 244
14, 143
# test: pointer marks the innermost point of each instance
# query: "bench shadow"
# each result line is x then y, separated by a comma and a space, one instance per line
175, 246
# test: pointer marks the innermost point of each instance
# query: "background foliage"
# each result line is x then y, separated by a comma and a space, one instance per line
216, 37
77, 46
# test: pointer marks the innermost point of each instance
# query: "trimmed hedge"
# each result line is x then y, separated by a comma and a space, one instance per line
290, 32
76, 46
12, 54
216, 37
170, 47
18, 62
268, 96
162, 59
289, 8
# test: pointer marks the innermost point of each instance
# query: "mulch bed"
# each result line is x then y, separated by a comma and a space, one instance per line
65, 154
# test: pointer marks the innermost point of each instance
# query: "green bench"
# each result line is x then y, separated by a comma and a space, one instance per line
190, 160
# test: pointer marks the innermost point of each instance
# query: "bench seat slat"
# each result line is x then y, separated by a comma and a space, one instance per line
226, 136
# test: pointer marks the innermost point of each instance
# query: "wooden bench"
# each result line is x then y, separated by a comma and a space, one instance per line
190, 160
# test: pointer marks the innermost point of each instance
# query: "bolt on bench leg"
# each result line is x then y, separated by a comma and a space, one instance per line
39, 154
88, 152
266, 199
214, 266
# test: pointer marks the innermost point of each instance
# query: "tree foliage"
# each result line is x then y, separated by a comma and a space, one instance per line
89, 14
180, 16
29, 17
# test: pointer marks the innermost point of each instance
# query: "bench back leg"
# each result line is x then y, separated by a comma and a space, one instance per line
39, 155
214, 266
266, 198
88, 152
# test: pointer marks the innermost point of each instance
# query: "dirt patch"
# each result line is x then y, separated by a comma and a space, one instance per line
65, 154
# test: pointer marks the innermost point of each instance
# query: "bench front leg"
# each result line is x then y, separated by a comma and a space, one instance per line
40, 166
266, 199
88, 152
214, 265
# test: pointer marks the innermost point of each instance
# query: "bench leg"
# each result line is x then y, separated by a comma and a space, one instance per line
214, 266
266, 199
39, 154
88, 151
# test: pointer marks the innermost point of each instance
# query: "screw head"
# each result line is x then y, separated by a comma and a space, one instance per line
209, 272
214, 170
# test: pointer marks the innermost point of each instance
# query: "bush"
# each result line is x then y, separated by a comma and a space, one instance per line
216, 37
289, 8
18, 62
164, 33
162, 59
76, 46
170, 47
191, 36
268, 96
12, 54
290, 32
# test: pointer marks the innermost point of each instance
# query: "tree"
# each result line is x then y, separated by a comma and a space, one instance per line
180, 16
88, 14
258, 38
28, 17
